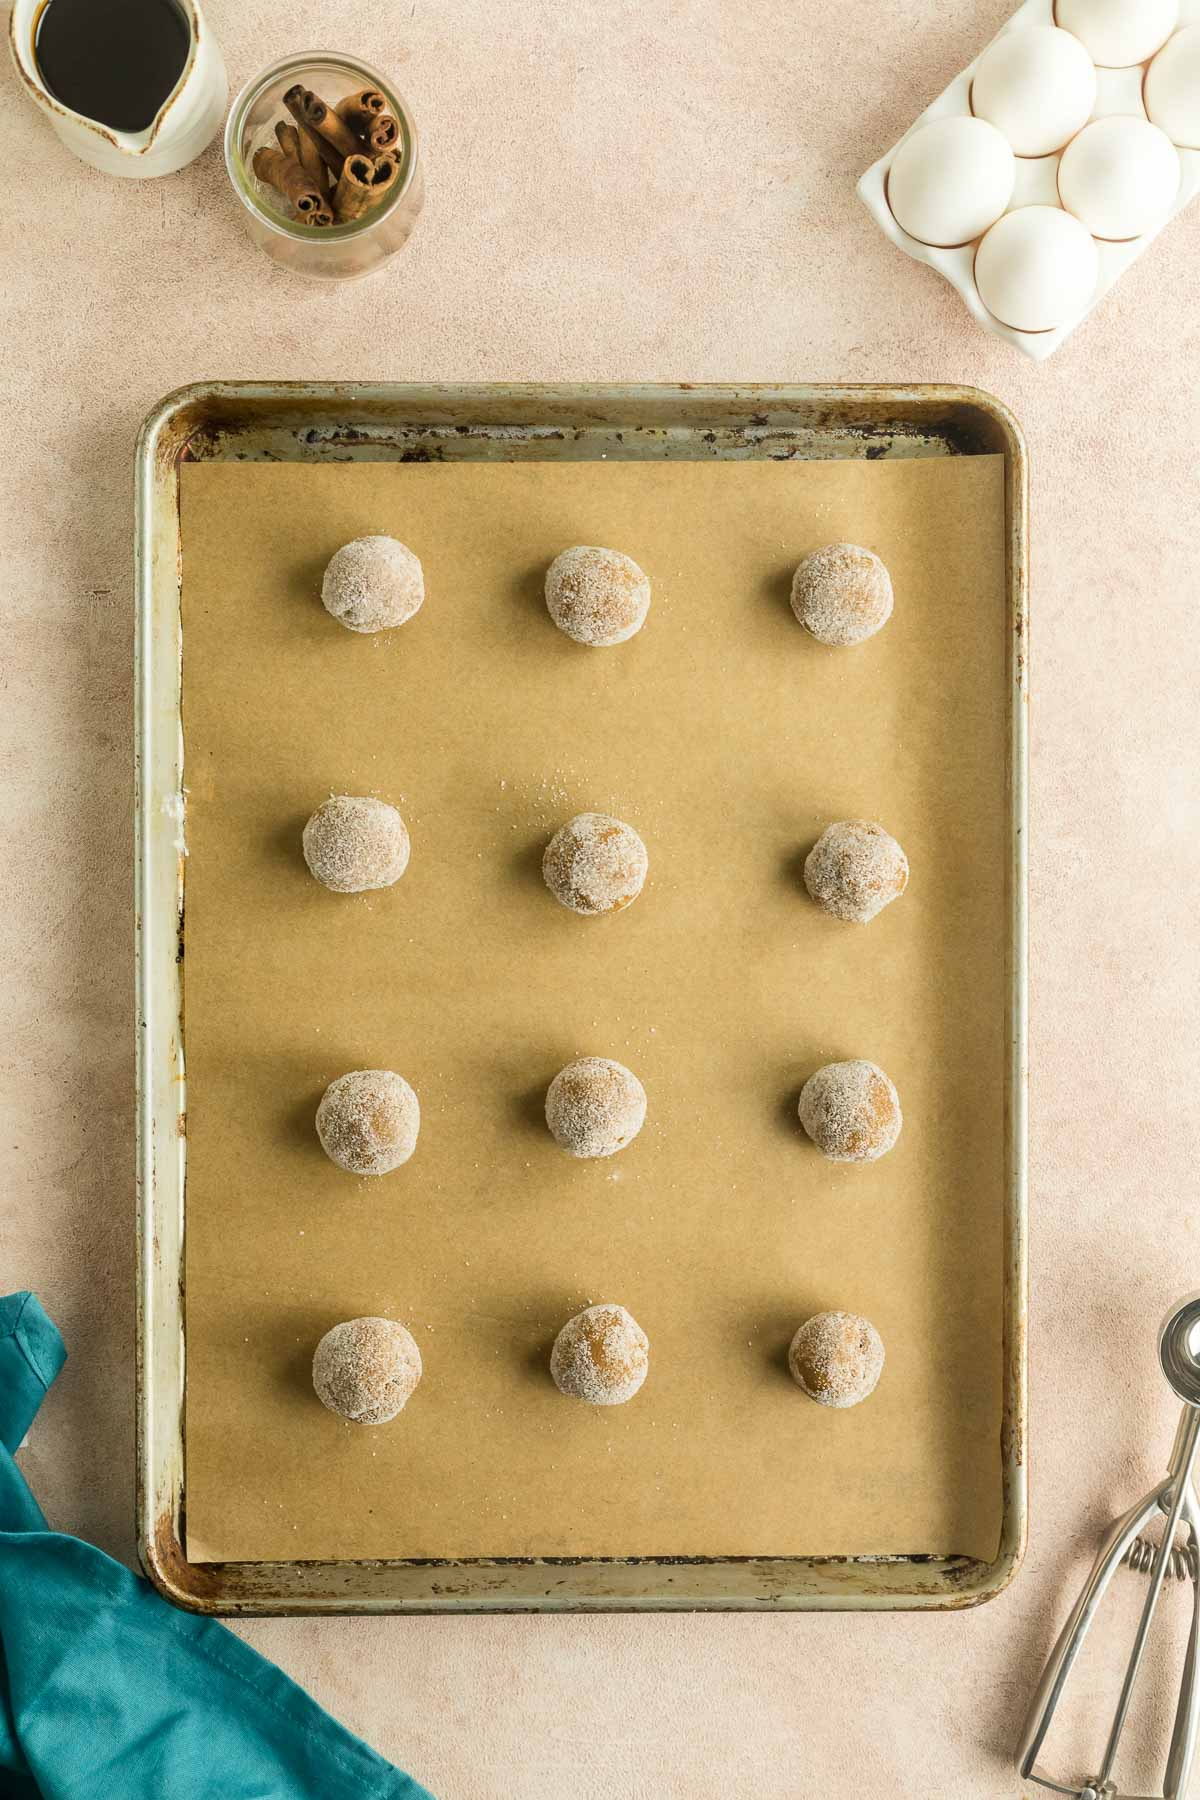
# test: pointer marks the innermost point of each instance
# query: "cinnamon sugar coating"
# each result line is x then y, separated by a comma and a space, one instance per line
842, 594
597, 596
602, 1356
373, 584
855, 869
595, 1106
354, 844
595, 864
837, 1358
851, 1111
366, 1370
368, 1121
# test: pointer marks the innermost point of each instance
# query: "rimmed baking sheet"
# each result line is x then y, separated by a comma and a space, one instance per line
730, 739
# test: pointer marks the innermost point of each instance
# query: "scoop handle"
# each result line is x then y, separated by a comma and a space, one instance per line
1070, 1641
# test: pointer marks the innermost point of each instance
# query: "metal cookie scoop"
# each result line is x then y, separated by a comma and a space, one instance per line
1179, 1354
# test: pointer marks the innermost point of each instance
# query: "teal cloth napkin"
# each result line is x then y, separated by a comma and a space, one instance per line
109, 1693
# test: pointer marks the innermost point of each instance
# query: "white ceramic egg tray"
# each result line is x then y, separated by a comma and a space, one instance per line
1118, 91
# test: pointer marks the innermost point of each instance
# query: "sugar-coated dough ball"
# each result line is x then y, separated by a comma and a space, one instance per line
601, 1356
851, 1111
595, 1107
368, 1121
1037, 268
373, 584
1119, 33
837, 1358
1119, 177
353, 844
1037, 86
842, 594
950, 179
595, 864
597, 596
365, 1370
855, 869
1172, 90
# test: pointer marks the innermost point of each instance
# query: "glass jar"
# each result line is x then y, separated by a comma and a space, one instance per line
333, 252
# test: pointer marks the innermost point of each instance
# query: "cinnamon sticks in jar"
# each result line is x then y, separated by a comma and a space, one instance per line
333, 165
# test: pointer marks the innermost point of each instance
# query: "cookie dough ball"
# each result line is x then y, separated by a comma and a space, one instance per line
597, 596
595, 864
595, 1107
353, 844
837, 1358
601, 1356
842, 594
366, 1369
368, 1121
373, 584
851, 1112
855, 869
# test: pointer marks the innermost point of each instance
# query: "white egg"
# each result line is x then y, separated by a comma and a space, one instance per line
1117, 33
951, 179
1037, 268
1119, 177
1038, 87
1172, 89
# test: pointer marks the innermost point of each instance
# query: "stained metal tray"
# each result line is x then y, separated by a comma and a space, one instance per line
244, 421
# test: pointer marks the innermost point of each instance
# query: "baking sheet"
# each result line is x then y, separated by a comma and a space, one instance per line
729, 738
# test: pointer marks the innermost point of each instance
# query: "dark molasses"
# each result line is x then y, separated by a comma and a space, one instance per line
114, 62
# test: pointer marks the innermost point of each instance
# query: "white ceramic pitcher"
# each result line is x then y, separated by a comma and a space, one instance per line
186, 123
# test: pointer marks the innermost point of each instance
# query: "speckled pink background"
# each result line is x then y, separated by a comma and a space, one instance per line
618, 191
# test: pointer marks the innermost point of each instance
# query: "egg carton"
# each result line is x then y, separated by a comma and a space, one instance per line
1118, 91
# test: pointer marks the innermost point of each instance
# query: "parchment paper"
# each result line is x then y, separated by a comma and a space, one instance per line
730, 739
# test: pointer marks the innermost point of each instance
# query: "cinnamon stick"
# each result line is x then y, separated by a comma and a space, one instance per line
360, 110
383, 133
363, 184
352, 195
299, 143
297, 101
282, 171
327, 124
384, 175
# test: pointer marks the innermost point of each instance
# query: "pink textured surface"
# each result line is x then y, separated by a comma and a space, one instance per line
621, 191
